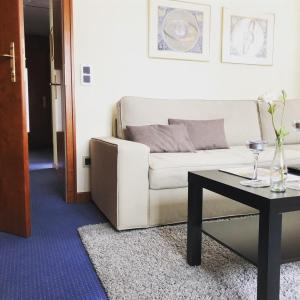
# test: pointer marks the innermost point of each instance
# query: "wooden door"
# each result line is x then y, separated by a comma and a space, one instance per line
14, 176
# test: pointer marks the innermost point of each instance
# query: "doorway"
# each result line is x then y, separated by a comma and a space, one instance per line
43, 52
48, 48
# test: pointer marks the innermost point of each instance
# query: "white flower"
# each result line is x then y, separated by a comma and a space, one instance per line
269, 97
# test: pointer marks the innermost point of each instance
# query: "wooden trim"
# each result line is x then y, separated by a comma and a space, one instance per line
68, 75
84, 197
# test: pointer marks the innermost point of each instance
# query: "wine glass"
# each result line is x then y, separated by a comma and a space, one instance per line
256, 147
295, 185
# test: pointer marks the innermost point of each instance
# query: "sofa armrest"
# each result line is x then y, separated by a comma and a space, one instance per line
119, 181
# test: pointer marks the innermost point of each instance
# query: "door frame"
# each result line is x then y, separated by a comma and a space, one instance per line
69, 80
69, 95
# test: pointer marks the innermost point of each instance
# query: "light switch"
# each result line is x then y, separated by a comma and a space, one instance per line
86, 75
86, 69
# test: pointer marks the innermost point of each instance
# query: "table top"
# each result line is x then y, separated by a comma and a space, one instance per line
230, 180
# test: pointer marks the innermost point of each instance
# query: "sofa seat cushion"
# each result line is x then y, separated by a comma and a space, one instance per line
170, 170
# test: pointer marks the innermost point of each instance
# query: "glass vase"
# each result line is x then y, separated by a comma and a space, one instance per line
278, 169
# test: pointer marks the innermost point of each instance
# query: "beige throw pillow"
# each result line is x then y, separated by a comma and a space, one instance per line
205, 134
161, 138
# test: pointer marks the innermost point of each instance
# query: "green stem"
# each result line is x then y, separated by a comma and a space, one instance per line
283, 111
273, 123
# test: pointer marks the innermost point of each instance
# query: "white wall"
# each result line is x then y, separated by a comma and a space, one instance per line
112, 36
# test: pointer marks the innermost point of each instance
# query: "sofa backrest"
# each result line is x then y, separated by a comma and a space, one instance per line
241, 116
292, 113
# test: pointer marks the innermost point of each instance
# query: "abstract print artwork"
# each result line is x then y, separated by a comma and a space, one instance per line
247, 39
179, 30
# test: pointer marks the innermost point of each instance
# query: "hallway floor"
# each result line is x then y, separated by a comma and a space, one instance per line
40, 159
52, 263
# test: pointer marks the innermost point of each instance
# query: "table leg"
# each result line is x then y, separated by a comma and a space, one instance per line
269, 255
194, 234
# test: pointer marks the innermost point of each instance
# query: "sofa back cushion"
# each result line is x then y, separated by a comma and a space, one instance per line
292, 113
240, 116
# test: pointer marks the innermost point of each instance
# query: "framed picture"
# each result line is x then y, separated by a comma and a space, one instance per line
179, 30
247, 38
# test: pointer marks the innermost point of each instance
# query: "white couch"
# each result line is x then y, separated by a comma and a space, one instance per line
136, 189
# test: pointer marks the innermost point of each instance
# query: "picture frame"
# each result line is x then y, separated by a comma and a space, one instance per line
247, 38
179, 30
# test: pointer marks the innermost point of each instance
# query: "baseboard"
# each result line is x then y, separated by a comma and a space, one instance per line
83, 197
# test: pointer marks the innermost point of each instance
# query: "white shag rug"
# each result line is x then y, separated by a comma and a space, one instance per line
151, 264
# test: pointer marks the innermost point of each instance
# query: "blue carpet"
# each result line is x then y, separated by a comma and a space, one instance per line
52, 264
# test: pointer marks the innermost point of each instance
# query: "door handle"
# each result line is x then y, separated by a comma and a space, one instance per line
12, 58
6, 56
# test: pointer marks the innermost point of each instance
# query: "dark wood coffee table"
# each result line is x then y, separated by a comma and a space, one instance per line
267, 240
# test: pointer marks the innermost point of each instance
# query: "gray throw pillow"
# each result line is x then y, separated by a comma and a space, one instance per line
205, 134
161, 138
